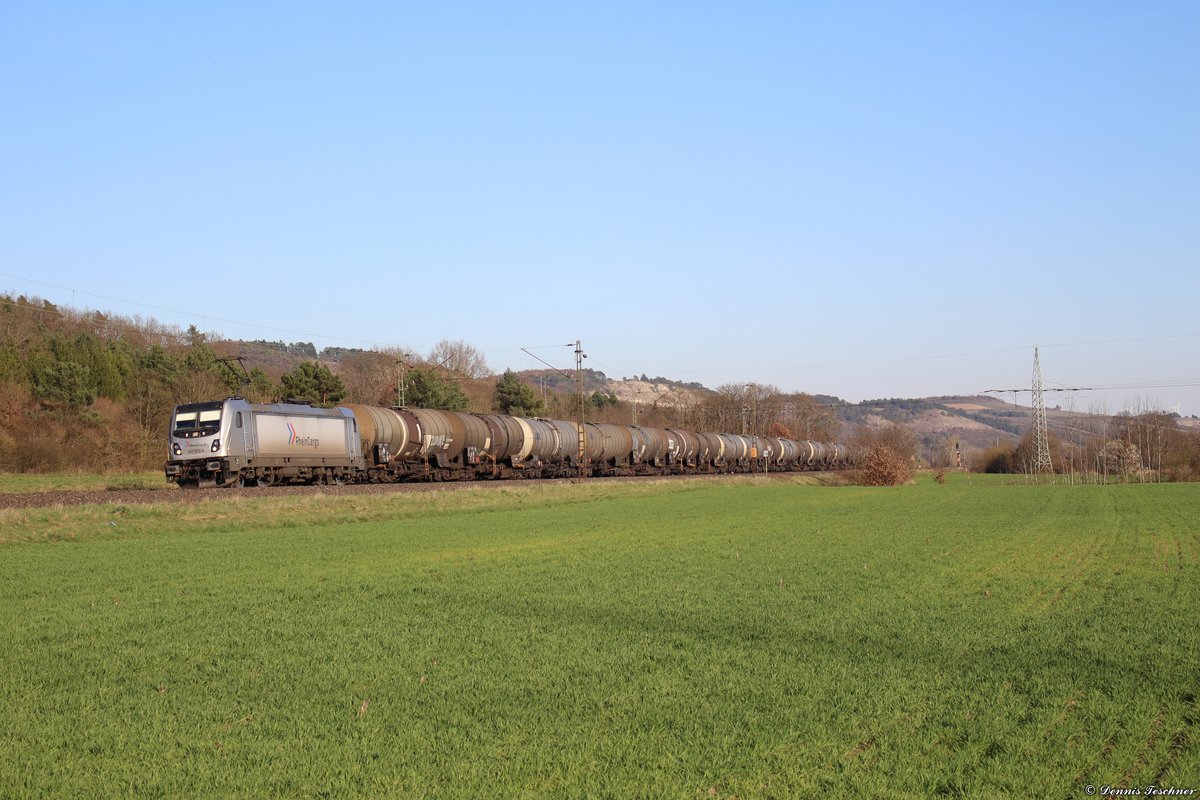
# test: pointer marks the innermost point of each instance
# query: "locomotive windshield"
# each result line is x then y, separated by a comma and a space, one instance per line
197, 419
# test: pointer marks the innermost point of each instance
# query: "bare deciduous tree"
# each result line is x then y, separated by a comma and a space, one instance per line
458, 356
370, 377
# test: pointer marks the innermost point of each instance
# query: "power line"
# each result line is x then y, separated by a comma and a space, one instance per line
1169, 384
205, 318
1020, 390
73, 291
1181, 383
82, 320
937, 357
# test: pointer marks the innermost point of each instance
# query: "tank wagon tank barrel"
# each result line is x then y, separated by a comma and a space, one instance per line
235, 442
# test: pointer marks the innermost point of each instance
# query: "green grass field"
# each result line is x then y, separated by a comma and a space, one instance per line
18, 483
663, 639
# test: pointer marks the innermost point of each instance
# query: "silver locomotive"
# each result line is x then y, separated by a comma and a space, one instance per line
226, 441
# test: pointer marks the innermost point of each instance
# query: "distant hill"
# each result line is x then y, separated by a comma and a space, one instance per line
976, 421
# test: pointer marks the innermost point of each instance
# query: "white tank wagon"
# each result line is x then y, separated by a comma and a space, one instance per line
234, 442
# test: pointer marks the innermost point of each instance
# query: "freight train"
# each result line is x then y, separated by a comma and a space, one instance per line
234, 442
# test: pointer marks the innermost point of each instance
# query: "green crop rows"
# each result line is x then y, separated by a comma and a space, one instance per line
738, 638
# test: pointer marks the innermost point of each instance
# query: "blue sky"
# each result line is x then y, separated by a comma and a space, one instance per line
860, 199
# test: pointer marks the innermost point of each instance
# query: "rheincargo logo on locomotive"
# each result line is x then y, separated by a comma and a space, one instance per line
296, 440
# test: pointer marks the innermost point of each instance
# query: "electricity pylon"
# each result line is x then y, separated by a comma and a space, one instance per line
1041, 441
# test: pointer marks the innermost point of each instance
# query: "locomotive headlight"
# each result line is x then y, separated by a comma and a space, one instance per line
216, 445
176, 449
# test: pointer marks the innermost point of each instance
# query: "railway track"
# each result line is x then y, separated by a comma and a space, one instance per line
186, 496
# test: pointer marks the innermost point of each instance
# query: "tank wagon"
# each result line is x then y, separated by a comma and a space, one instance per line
235, 442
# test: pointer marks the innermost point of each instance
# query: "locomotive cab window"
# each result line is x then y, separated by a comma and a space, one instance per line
197, 419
